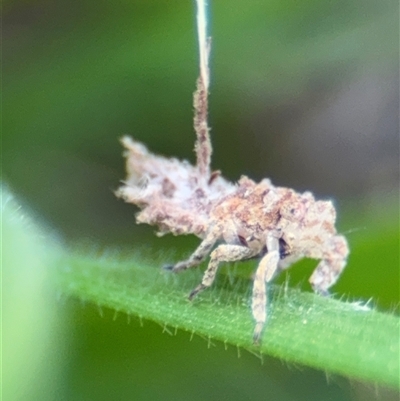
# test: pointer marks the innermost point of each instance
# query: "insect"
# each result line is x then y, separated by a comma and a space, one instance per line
235, 221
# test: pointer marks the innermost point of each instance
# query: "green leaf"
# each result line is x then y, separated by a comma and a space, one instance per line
337, 336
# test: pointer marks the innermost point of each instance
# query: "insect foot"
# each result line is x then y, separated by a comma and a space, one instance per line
198, 289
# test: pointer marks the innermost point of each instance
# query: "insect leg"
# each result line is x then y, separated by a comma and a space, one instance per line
197, 256
265, 271
330, 267
224, 253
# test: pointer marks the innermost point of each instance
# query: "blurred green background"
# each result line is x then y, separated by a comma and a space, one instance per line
305, 93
